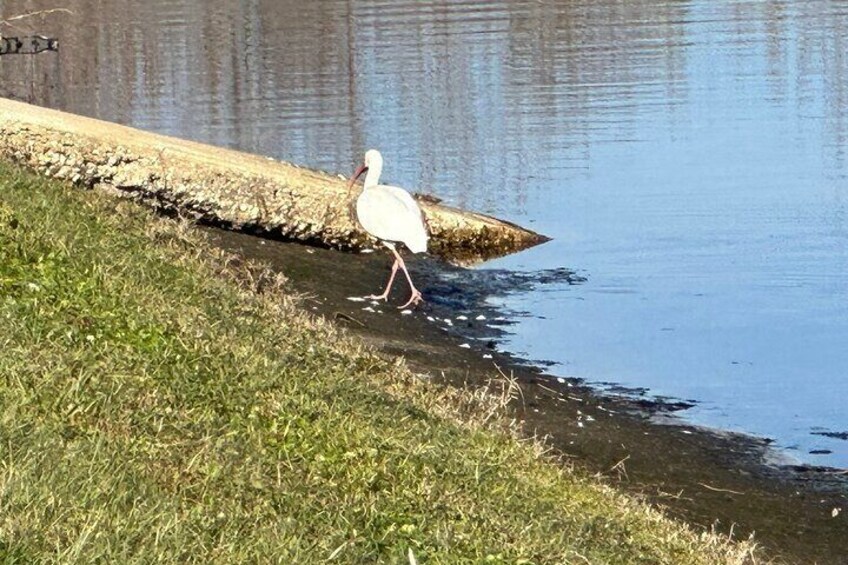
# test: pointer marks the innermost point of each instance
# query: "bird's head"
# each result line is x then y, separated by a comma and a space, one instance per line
373, 160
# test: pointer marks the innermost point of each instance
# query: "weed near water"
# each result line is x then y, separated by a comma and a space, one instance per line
162, 401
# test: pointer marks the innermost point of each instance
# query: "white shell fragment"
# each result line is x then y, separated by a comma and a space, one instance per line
356, 299
406, 312
465, 346
462, 317
480, 317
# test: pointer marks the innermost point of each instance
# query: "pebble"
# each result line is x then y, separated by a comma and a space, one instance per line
356, 299
368, 309
480, 317
406, 312
448, 321
367, 251
462, 317
465, 346
560, 380
487, 356
431, 319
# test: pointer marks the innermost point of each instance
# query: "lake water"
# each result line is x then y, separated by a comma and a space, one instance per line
687, 157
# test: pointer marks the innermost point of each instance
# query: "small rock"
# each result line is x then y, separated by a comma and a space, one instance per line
368, 309
405, 312
465, 346
462, 317
356, 299
448, 321
480, 317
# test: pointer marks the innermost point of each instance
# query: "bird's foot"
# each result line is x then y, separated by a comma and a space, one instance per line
413, 300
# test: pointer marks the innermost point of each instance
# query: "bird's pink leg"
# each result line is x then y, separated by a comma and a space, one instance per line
385, 295
416, 295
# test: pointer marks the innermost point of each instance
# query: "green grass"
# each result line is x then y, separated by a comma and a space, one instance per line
162, 402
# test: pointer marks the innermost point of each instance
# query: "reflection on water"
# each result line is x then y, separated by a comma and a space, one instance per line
688, 157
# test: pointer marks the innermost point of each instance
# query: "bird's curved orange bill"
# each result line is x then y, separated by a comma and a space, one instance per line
356, 175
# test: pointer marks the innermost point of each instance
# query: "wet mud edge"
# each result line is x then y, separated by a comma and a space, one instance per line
711, 479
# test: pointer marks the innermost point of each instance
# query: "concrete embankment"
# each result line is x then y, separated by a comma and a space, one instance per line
226, 187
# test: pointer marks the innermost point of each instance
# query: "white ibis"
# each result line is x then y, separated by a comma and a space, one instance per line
391, 215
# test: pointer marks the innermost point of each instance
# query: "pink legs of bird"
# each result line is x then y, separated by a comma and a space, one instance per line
416, 295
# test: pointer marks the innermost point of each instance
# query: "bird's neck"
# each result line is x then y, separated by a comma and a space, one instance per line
372, 177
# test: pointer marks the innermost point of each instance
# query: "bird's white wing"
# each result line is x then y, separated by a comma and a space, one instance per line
391, 214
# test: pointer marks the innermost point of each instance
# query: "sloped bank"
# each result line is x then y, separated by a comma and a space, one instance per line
226, 187
166, 402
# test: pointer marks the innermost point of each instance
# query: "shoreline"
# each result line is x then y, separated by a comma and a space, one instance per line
710, 478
